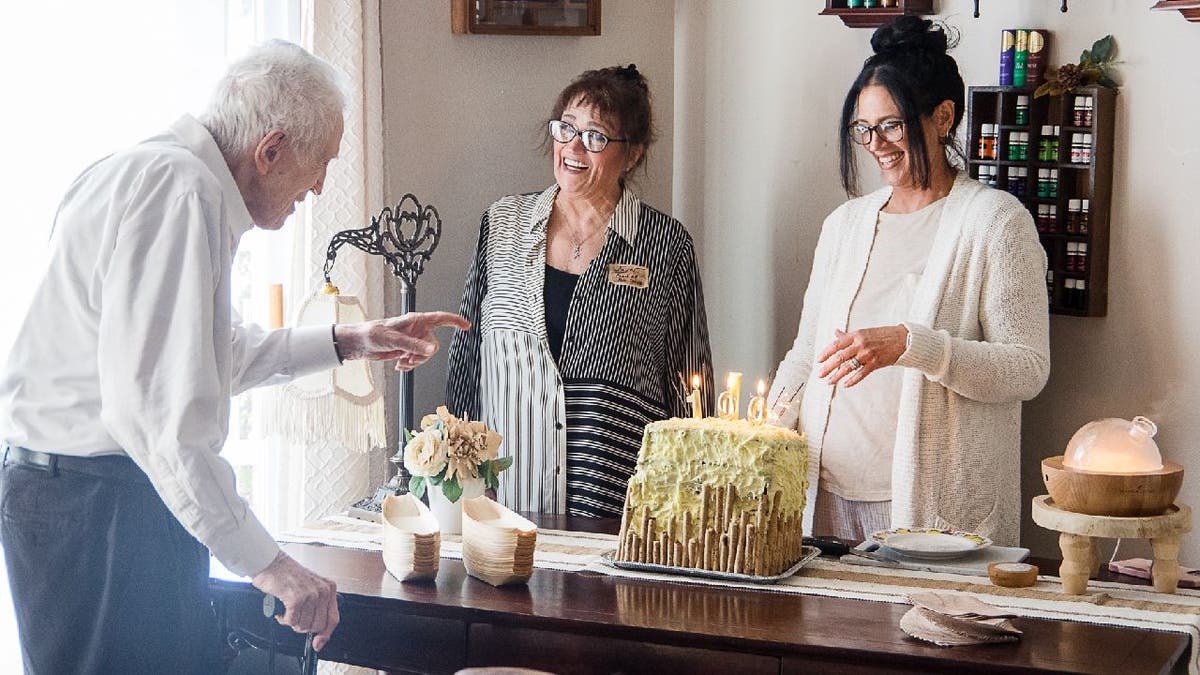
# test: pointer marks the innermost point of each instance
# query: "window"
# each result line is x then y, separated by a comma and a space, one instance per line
88, 78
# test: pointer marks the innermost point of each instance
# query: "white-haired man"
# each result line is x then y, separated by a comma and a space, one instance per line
115, 400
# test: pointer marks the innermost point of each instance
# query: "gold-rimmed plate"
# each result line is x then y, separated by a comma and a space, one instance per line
930, 543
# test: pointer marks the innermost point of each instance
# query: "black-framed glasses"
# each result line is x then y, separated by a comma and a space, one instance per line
891, 131
593, 141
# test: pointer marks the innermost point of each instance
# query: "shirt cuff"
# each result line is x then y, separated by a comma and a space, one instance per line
928, 351
310, 350
246, 550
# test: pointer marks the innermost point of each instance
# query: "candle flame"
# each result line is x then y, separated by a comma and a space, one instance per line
729, 381
762, 388
695, 381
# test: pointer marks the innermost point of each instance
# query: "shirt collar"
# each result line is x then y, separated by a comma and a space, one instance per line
197, 139
624, 220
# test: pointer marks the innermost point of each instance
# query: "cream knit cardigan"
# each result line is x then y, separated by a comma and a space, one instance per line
980, 346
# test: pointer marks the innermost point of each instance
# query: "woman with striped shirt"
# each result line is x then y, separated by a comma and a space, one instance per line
586, 311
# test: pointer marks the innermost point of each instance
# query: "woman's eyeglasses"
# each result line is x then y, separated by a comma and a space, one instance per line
891, 131
593, 141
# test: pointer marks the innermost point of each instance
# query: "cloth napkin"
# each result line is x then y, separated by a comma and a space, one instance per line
1140, 567
948, 620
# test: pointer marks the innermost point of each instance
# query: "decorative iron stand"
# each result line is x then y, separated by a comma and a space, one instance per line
405, 236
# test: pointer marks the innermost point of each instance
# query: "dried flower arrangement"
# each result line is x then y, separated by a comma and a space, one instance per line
1093, 68
448, 451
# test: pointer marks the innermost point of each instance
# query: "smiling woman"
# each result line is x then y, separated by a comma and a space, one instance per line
586, 308
925, 317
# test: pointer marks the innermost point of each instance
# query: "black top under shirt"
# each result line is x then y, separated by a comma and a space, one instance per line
559, 287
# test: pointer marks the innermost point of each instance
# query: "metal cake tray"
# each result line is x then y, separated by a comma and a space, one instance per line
809, 553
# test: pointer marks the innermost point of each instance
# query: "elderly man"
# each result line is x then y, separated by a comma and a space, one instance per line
115, 401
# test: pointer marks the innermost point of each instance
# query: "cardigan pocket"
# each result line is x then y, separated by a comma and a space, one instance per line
969, 515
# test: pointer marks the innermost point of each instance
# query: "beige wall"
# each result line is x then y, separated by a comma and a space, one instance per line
762, 82
747, 98
464, 116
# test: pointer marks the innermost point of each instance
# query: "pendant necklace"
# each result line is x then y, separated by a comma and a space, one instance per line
577, 244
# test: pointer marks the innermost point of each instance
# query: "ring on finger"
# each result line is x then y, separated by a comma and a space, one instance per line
855, 364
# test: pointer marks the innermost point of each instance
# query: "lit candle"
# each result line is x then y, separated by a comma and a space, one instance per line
757, 412
731, 398
694, 398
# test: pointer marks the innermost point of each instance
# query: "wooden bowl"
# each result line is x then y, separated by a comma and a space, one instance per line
1112, 494
411, 540
497, 543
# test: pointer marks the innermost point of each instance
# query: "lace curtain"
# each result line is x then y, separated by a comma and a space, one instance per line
320, 465
345, 33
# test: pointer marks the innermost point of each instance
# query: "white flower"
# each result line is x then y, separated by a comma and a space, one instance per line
426, 453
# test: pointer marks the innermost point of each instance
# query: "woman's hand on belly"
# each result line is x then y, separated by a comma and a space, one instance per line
852, 356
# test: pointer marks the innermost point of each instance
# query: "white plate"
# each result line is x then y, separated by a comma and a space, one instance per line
930, 544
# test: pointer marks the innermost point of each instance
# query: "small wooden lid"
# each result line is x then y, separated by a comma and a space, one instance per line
1012, 574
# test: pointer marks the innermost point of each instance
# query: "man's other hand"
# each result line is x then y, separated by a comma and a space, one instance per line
310, 600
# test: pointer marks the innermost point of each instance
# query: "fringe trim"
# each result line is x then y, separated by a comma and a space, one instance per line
329, 420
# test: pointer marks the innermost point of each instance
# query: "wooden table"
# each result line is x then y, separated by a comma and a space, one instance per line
582, 622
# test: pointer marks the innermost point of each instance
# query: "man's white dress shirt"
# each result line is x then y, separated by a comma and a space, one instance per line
130, 346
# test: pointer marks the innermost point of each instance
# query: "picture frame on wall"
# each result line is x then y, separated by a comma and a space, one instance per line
525, 17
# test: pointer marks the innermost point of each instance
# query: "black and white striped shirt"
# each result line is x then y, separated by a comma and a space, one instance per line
574, 427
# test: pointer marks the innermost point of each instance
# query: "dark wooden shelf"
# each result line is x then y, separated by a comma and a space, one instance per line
1091, 181
1188, 9
873, 17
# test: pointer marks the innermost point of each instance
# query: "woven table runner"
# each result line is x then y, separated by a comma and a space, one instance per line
555, 549
1107, 603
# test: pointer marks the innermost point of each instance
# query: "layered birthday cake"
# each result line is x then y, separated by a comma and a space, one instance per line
715, 494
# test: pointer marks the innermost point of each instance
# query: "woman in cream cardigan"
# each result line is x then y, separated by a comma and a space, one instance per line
924, 323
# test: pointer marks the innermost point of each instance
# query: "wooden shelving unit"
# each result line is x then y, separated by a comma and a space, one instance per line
1188, 9
1091, 180
873, 17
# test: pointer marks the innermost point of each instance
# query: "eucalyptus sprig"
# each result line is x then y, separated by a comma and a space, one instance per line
1094, 67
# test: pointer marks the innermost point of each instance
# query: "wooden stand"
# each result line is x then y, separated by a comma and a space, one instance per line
1079, 532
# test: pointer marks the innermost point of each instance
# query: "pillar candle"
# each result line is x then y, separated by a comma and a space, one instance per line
275, 306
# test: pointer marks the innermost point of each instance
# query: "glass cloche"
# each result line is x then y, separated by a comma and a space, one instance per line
1114, 445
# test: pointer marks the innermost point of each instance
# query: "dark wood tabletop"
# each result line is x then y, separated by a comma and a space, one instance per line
583, 622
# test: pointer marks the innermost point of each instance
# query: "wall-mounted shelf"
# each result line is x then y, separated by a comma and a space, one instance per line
1189, 9
873, 17
1087, 178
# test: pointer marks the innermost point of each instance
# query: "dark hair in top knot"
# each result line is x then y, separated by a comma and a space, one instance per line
621, 95
911, 33
911, 62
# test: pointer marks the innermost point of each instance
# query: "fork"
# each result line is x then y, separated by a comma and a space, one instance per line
977, 616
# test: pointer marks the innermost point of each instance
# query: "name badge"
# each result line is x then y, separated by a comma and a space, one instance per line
628, 275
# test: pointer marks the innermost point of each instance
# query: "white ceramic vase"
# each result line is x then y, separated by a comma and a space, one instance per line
449, 514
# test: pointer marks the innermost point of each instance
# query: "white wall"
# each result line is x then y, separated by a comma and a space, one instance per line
759, 87
464, 116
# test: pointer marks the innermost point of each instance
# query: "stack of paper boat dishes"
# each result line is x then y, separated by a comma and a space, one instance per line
411, 539
497, 543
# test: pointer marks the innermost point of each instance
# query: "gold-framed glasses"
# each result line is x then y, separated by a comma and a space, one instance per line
593, 141
891, 131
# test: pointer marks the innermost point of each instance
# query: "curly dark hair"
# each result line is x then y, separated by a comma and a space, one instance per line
911, 63
621, 95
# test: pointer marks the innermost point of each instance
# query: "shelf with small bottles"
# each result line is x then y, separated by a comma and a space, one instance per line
874, 13
1054, 154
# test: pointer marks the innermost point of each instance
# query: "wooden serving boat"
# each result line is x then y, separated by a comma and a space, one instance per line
497, 543
411, 540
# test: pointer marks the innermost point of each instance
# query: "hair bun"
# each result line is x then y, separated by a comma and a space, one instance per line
630, 73
911, 34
